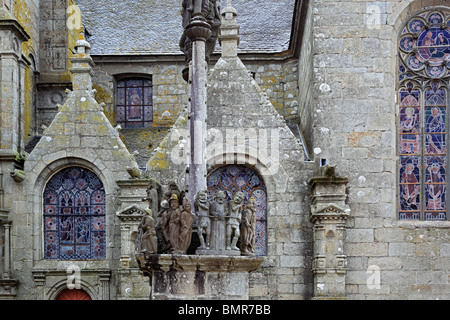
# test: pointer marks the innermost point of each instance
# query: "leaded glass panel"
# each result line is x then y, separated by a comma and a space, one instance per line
74, 216
423, 75
232, 179
134, 103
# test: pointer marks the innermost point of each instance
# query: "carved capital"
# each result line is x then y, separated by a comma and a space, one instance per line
198, 29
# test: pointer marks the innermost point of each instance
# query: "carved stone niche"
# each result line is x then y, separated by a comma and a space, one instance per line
198, 276
130, 218
329, 213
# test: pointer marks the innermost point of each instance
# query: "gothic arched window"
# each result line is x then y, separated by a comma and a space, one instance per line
134, 103
423, 78
74, 216
233, 178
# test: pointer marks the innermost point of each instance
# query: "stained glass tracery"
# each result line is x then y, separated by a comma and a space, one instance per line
74, 216
235, 178
424, 53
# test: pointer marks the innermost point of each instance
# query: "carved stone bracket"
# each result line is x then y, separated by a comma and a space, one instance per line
329, 213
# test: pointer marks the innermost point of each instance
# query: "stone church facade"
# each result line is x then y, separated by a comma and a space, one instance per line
331, 115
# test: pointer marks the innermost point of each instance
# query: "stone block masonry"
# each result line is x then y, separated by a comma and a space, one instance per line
354, 125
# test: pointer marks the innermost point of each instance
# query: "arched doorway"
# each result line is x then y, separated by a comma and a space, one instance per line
73, 294
232, 178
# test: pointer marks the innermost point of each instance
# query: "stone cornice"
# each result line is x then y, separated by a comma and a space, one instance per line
16, 27
193, 263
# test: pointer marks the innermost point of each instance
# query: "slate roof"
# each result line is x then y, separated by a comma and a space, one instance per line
142, 27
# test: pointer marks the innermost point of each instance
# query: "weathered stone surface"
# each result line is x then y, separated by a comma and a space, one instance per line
198, 277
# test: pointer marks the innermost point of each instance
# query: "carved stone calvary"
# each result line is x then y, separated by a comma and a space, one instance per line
218, 223
201, 20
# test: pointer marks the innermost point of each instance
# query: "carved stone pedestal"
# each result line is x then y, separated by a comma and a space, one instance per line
329, 214
198, 277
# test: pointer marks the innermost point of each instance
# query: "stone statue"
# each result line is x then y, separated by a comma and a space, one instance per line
146, 238
185, 42
162, 214
186, 222
234, 219
213, 18
154, 193
218, 211
147, 234
209, 10
174, 222
165, 220
174, 190
204, 221
218, 223
248, 228
218, 208
186, 12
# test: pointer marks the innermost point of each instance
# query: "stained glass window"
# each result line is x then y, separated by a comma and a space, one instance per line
233, 178
74, 216
134, 103
424, 53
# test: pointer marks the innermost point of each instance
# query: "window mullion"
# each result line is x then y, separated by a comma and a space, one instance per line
422, 153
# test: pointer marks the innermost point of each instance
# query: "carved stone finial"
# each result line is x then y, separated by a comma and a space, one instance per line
229, 31
82, 46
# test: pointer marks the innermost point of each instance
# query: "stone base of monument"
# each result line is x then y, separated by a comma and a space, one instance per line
200, 277
218, 252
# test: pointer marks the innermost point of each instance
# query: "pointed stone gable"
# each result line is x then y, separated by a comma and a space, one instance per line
81, 129
235, 101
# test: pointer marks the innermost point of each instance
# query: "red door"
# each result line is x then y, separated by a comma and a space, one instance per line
73, 294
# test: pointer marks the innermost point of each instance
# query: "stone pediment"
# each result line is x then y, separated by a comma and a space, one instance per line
329, 211
131, 213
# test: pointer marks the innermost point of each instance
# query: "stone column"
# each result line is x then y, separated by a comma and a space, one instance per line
104, 284
198, 31
7, 264
329, 213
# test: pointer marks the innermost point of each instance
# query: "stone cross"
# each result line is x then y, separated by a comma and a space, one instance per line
198, 31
